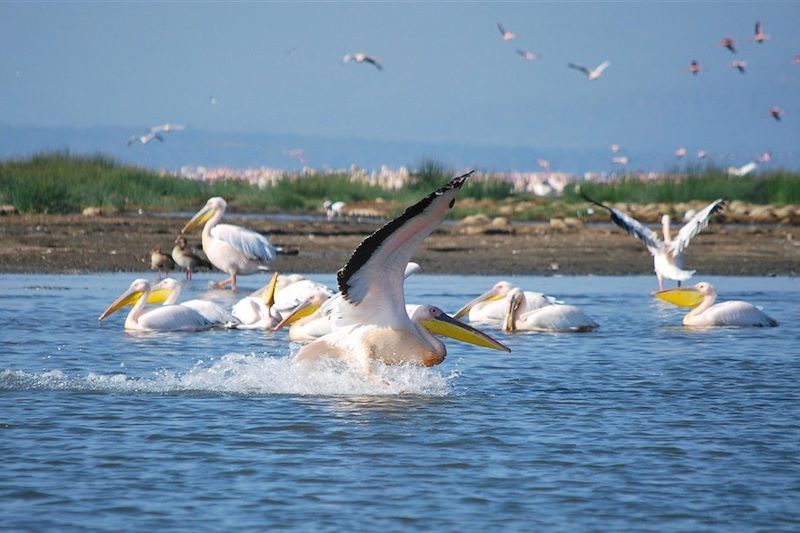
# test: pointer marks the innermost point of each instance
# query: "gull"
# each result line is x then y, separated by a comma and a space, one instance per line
591, 74
360, 57
507, 35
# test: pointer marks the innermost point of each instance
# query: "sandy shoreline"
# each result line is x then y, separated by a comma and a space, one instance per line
76, 244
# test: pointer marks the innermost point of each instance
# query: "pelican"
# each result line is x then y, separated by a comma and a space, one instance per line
491, 307
166, 128
706, 314
667, 255
292, 295
527, 56
760, 36
333, 209
360, 57
164, 318
728, 43
184, 257
680, 153
776, 113
372, 323
258, 312
695, 68
557, 318
144, 139
594, 73
739, 65
171, 288
232, 249
507, 35
620, 160
161, 262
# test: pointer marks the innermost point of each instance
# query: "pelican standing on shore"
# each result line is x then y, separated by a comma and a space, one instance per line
232, 249
667, 254
371, 322
707, 314
163, 318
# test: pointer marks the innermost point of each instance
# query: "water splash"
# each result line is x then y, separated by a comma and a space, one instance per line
246, 375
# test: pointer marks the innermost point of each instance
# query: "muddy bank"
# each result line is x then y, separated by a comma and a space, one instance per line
76, 243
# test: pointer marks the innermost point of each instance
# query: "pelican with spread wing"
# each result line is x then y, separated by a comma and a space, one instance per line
232, 249
667, 254
371, 322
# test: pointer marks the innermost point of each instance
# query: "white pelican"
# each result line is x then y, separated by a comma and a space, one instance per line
491, 305
743, 170
163, 318
161, 262
292, 295
680, 153
765, 157
594, 73
739, 65
557, 318
333, 209
527, 56
144, 139
667, 255
166, 128
706, 314
360, 57
507, 35
232, 249
372, 324
171, 288
760, 36
776, 113
258, 312
620, 160
695, 68
728, 43
186, 258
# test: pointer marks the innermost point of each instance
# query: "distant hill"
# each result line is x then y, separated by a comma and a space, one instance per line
240, 150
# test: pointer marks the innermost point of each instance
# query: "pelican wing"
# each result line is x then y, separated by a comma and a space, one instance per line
694, 226
579, 67
253, 245
602, 66
373, 61
758, 28
632, 226
371, 283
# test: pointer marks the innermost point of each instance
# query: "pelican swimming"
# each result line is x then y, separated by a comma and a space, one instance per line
557, 318
258, 312
667, 254
491, 306
210, 310
707, 314
163, 318
371, 322
186, 258
232, 249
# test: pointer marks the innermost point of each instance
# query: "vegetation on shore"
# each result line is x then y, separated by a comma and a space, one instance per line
63, 183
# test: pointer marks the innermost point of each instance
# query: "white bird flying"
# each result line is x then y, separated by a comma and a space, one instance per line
232, 249
144, 139
163, 318
760, 36
372, 323
360, 57
667, 254
556, 318
705, 314
739, 65
528, 56
507, 35
591, 74
166, 128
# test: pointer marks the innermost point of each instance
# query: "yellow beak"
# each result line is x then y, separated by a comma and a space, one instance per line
269, 294
681, 296
200, 218
129, 297
305, 309
510, 322
487, 296
450, 327
157, 296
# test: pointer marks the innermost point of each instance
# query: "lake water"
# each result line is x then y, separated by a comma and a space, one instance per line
642, 425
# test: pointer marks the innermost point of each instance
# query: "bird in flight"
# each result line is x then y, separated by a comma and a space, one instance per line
776, 113
739, 65
760, 36
527, 56
507, 35
680, 152
695, 68
144, 139
728, 43
360, 57
591, 74
166, 128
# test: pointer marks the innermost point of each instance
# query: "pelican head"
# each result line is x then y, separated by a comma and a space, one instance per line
437, 321
138, 287
163, 290
306, 308
497, 292
212, 207
515, 298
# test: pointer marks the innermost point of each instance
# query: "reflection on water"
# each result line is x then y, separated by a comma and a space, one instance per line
643, 424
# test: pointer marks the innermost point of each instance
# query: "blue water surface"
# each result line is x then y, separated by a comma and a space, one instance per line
642, 425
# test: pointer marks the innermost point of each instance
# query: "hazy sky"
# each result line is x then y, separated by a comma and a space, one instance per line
276, 67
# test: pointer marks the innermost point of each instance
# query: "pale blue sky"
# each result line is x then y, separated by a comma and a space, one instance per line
448, 77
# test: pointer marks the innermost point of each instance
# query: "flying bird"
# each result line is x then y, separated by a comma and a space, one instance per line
213, 100
760, 36
144, 139
360, 57
765, 157
728, 43
695, 68
591, 74
527, 56
776, 113
680, 153
166, 128
544, 164
507, 35
741, 66
733, 313
620, 160
614, 148
701, 154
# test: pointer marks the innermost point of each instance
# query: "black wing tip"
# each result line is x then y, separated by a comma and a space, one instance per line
595, 202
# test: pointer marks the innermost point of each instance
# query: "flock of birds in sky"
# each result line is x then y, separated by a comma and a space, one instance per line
367, 320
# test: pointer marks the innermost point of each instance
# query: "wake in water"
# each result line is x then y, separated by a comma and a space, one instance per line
247, 375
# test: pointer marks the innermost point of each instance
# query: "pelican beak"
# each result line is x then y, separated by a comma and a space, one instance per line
128, 298
269, 293
510, 322
450, 327
199, 219
305, 309
491, 295
681, 296
158, 295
